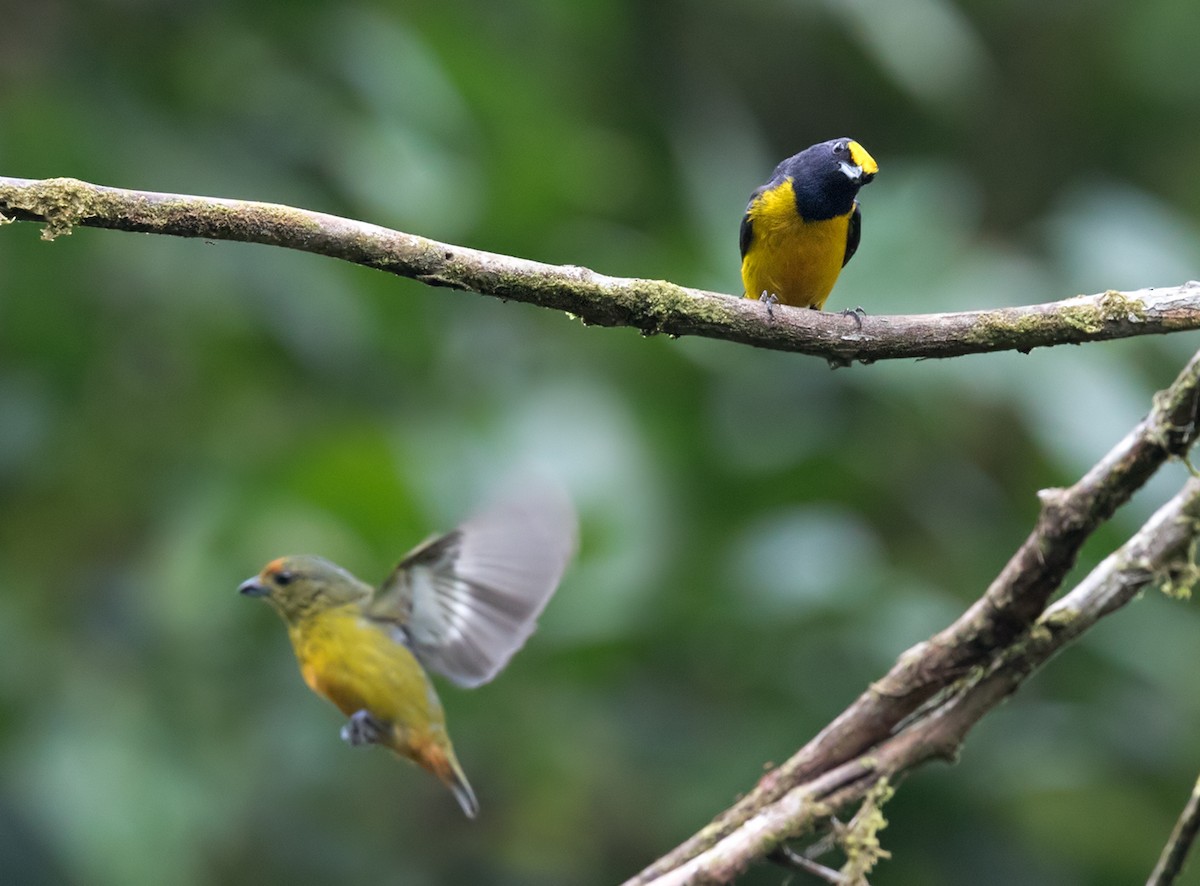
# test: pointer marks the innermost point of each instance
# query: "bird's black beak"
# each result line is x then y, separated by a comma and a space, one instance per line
857, 174
852, 171
252, 587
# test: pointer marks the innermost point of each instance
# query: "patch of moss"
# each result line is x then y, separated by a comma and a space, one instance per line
1180, 578
860, 839
62, 202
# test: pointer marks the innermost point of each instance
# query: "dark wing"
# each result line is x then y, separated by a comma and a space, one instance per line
464, 602
746, 235
853, 234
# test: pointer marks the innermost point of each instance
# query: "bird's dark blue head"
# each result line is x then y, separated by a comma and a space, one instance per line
827, 176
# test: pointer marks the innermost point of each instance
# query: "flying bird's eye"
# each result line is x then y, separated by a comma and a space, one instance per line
283, 578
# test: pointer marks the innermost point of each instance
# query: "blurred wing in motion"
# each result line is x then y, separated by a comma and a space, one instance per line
466, 601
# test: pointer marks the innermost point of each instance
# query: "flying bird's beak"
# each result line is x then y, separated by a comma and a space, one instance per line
252, 587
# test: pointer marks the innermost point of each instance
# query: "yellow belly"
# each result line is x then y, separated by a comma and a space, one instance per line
358, 665
795, 261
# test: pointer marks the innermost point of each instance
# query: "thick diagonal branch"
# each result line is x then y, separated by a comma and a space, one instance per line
1001, 617
1159, 551
653, 306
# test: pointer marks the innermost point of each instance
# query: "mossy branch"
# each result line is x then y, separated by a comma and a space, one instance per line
652, 306
926, 704
938, 729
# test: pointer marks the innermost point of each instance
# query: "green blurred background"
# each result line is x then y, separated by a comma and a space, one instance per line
761, 536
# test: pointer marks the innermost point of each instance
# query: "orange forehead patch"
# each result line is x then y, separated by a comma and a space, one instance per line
273, 567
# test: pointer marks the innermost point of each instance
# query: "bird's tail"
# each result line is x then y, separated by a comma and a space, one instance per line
438, 757
461, 789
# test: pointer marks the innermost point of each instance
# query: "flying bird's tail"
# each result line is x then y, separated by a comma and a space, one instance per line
438, 757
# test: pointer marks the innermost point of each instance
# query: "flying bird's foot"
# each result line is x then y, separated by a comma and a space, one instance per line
769, 299
857, 313
363, 729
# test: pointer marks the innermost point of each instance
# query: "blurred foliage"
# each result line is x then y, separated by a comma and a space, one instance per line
761, 536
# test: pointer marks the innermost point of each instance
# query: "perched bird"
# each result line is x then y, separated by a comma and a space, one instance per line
460, 604
803, 225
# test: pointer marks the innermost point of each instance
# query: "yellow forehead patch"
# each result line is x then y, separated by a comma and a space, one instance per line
860, 156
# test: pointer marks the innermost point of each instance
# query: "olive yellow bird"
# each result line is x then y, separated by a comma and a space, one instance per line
460, 604
804, 224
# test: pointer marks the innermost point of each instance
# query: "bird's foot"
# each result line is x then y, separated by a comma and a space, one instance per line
769, 299
857, 313
363, 729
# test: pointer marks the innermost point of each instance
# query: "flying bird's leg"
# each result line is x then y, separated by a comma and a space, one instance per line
363, 729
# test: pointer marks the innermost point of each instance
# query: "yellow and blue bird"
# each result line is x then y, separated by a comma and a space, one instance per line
804, 224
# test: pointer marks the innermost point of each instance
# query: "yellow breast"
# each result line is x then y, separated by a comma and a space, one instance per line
358, 665
794, 260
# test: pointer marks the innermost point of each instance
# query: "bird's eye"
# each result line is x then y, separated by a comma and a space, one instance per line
283, 578
839, 147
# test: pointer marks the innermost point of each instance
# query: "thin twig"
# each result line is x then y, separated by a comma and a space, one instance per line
786, 856
653, 306
1174, 854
